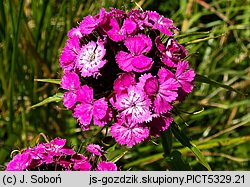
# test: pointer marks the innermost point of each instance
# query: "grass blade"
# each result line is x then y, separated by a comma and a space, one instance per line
53, 81
181, 136
203, 79
55, 98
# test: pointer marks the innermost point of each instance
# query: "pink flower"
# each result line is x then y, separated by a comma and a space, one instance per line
20, 162
95, 149
70, 81
134, 106
89, 109
163, 90
90, 23
122, 83
57, 146
106, 166
69, 99
151, 86
116, 13
90, 58
69, 53
167, 93
140, 18
185, 76
135, 60
54, 155
75, 32
160, 23
172, 53
80, 163
160, 124
129, 134
116, 33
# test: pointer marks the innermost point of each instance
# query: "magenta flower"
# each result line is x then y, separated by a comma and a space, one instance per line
134, 106
75, 32
69, 53
80, 163
89, 109
163, 90
160, 124
69, 99
54, 155
135, 60
90, 23
129, 134
167, 93
126, 77
106, 166
140, 18
90, 58
58, 146
95, 149
71, 82
20, 162
160, 23
123, 82
172, 53
116, 33
185, 76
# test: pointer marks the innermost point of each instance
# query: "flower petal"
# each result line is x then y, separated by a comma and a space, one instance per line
124, 61
141, 63
129, 134
69, 99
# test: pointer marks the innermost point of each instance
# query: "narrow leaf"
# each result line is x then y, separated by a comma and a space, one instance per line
54, 81
166, 139
55, 98
176, 162
201, 40
181, 136
203, 79
119, 157
209, 145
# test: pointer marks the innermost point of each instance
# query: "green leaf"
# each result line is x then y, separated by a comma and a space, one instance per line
220, 143
176, 162
111, 149
181, 136
166, 139
209, 145
203, 79
200, 40
55, 98
113, 154
119, 156
54, 81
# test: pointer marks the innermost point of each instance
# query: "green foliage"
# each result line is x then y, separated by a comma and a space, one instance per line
216, 34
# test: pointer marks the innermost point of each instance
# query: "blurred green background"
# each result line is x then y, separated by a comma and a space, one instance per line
215, 32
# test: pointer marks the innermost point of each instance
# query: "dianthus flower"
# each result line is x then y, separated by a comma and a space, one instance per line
69, 53
134, 106
71, 82
106, 166
127, 73
55, 156
89, 109
129, 134
95, 149
90, 58
135, 60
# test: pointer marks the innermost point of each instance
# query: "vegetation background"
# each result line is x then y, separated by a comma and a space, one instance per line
216, 119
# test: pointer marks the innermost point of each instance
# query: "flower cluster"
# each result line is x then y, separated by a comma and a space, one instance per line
127, 67
56, 156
